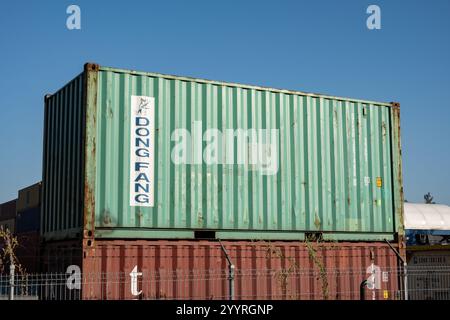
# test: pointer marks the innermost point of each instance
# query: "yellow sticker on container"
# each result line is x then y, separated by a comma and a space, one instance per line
386, 294
379, 182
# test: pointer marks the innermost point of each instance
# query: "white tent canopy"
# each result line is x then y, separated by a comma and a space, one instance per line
420, 216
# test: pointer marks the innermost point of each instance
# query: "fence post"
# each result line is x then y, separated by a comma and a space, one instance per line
11, 280
231, 280
405, 281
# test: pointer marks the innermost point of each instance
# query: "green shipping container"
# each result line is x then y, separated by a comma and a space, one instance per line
142, 155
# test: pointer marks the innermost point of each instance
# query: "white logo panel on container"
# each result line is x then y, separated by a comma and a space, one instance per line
142, 151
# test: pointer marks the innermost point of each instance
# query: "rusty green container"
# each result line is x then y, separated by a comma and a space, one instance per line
131, 155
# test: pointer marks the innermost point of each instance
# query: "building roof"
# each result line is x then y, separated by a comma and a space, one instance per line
420, 216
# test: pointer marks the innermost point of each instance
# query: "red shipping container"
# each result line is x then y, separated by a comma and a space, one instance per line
188, 269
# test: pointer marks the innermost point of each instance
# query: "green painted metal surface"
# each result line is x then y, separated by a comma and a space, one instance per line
331, 153
62, 182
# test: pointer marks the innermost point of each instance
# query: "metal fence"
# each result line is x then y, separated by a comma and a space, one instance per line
424, 283
429, 283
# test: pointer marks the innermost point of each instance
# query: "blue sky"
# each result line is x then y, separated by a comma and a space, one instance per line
317, 46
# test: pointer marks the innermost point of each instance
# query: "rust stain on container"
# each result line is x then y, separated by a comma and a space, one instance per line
90, 109
185, 269
398, 178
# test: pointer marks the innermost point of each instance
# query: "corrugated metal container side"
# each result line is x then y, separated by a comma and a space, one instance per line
28, 251
339, 162
28, 220
183, 269
8, 210
58, 255
29, 197
62, 174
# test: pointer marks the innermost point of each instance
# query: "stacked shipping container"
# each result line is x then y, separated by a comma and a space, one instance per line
28, 226
8, 215
127, 157
197, 269
7, 222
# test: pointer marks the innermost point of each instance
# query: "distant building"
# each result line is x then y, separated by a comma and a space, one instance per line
427, 224
427, 229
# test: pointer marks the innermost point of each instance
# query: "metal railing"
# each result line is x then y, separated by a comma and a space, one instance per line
424, 283
429, 283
